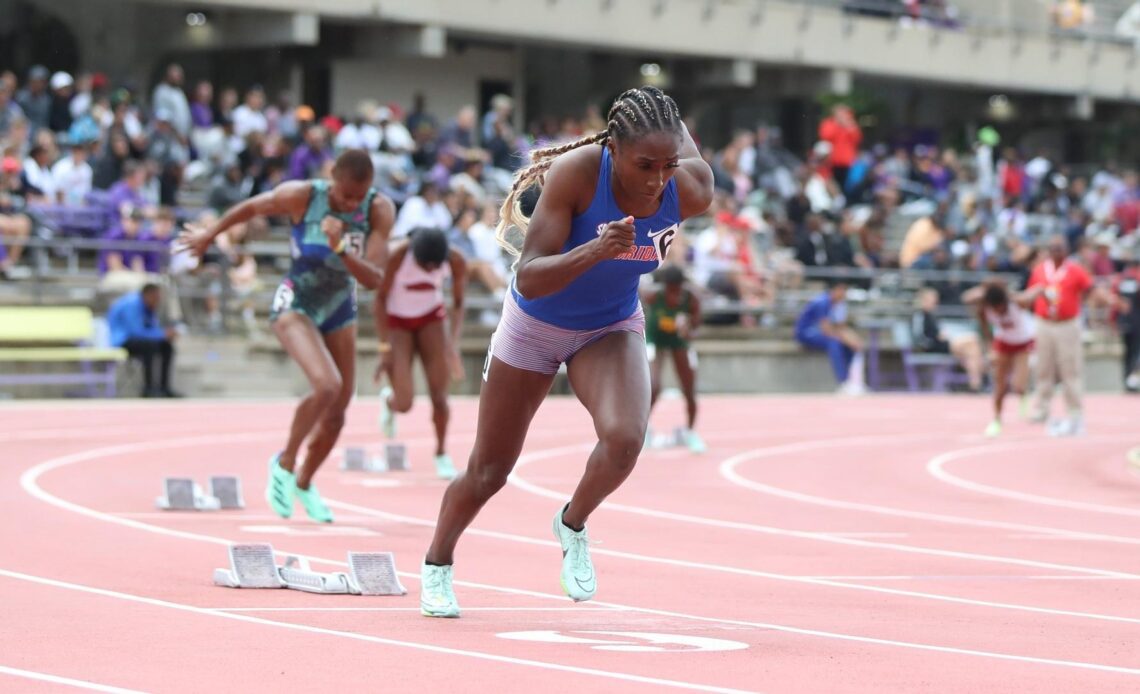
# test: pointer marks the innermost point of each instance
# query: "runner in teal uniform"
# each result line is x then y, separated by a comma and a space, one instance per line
340, 237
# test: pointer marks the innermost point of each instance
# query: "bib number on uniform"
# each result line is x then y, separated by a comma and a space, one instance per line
662, 240
282, 298
355, 242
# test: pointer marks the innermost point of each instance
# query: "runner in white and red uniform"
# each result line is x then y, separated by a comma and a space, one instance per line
1008, 321
410, 318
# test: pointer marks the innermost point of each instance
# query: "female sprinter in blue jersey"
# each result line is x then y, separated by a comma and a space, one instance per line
340, 237
610, 206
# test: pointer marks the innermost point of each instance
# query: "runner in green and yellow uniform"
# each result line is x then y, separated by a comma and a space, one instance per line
672, 314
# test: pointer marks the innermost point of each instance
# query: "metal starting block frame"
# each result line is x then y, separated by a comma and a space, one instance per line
184, 494
227, 490
254, 566
393, 458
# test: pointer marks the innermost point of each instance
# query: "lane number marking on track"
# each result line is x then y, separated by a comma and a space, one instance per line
628, 641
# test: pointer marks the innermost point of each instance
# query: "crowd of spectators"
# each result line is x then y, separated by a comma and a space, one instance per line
186, 151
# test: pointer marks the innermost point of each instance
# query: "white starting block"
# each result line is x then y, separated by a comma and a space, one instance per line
184, 494
393, 458
227, 490
254, 566
356, 459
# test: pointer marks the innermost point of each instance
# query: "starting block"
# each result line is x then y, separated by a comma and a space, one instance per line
254, 566
227, 490
184, 494
393, 458
356, 459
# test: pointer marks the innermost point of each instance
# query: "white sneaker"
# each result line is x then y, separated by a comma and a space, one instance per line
387, 416
578, 579
437, 598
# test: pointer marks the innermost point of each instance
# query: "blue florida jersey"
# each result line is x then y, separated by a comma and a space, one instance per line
607, 292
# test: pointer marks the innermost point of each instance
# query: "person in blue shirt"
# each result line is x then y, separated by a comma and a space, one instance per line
610, 207
134, 326
822, 326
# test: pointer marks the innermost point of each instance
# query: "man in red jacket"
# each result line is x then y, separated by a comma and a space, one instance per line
1059, 348
844, 135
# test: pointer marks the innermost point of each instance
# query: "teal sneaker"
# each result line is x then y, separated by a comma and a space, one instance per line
387, 416
578, 579
437, 599
694, 441
314, 505
281, 488
444, 468
994, 429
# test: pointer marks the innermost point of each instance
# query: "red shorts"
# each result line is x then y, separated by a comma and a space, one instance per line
1011, 349
414, 324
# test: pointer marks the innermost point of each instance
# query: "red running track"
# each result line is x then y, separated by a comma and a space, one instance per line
821, 545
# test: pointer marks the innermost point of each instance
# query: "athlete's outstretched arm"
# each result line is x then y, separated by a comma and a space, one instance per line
290, 198
694, 178
368, 268
543, 268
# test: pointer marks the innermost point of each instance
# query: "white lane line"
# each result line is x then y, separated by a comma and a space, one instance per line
580, 608
29, 481
56, 679
479, 655
720, 568
937, 467
516, 480
729, 470
963, 577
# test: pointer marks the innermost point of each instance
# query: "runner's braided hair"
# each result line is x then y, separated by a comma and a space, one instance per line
637, 112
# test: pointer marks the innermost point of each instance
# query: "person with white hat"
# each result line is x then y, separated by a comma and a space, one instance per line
62, 91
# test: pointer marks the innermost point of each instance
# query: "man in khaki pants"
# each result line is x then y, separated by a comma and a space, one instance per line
1060, 353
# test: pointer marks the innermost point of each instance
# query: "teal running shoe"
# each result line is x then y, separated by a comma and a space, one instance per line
578, 579
314, 505
387, 416
444, 468
993, 430
437, 599
694, 441
281, 488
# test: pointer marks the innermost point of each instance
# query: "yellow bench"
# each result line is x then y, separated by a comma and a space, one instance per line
54, 335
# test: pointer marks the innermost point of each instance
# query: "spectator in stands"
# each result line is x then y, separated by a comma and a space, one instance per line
37, 172
1071, 15
922, 238
15, 224
169, 154
72, 175
170, 99
844, 135
822, 326
470, 180
360, 132
110, 164
426, 210
62, 91
250, 116
158, 237
394, 137
461, 131
310, 157
201, 108
476, 240
502, 106
34, 99
9, 110
134, 326
128, 193
122, 261
932, 337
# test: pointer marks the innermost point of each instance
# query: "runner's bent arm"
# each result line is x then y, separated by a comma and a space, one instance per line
368, 269
543, 268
